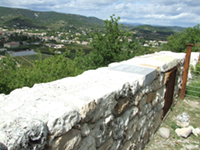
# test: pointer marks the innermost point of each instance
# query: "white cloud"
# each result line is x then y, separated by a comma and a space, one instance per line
149, 11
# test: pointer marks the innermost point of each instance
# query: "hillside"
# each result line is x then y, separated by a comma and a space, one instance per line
34, 19
24, 18
154, 32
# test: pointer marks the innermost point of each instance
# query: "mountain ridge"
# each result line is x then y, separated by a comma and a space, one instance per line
48, 19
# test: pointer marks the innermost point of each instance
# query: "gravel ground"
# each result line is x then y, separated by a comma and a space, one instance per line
174, 142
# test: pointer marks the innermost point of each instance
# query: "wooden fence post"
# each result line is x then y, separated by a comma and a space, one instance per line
185, 73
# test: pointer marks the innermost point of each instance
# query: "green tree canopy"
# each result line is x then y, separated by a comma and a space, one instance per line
178, 41
112, 44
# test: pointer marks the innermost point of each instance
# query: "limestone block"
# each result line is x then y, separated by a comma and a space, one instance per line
129, 114
156, 84
150, 97
159, 98
142, 101
107, 145
134, 87
146, 138
176, 91
118, 128
99, 129
101, 140
102, 126
184, 132
159, 106
136, 137
147, 89
149, 123
59, 124
157, 120
161, 78
126, 118
127, 88
127, 145
26, 135
121, 106
141, 122
179, 79
87, 143
133, 122
145, 109
85, 130
181, 69
67, 141
102, 130
132, 126
116, 145
162, 104
137, 97
133, 112
150, 115
155, 102
166, 76
161, 92
139, 146
153, 66
143, 130
104, 106
87, 111
168, 62
148, 74
151, 133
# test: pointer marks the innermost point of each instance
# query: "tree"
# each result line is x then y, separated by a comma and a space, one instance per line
111, 44
178, 41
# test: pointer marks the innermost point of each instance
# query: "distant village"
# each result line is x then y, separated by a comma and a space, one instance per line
55, 40
59, 37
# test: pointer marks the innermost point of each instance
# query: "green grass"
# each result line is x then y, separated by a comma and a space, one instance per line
193, 89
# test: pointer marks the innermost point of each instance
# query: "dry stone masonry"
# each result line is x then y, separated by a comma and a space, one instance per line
110, 108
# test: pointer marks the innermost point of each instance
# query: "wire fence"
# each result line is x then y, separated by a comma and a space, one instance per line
193, 85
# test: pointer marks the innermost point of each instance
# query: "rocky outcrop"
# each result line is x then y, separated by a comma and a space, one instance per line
115, 107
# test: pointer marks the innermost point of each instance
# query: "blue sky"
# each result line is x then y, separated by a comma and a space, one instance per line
184, 13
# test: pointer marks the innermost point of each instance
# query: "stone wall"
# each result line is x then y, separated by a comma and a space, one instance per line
115, 107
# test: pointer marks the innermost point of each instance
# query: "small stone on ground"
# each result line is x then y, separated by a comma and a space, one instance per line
164, 132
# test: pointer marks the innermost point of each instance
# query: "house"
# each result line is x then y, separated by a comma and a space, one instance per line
11, 44
78, 42
85, 43
59, 46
